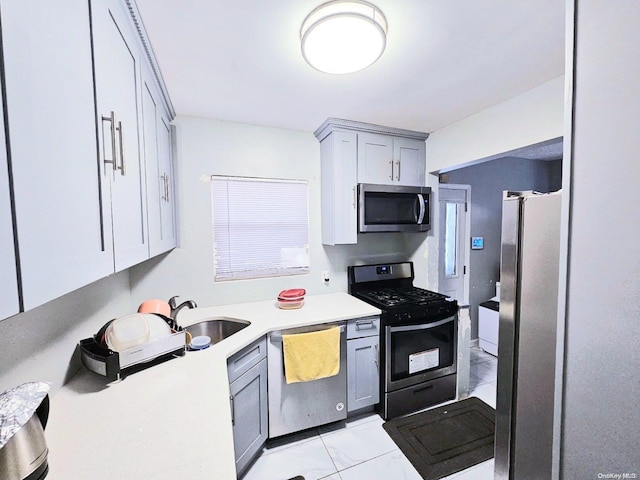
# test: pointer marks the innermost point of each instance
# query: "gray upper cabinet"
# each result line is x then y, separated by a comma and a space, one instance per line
9, 301
409, 157
158, 141
73, 107
355, 152
375, 158
339, 199
389, 160
117, 78
61, 227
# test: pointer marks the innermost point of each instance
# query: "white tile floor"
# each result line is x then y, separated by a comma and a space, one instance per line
360, 449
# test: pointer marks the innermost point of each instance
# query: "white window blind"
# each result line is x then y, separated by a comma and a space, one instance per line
260, 227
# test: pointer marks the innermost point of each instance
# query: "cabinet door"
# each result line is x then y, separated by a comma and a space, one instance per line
157, 140
375, 159
9, 302
155, 190
249, 414
338, 153
409, 161
61, 227
117, 79
363, 374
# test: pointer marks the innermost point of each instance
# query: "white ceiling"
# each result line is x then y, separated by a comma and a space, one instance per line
239, 60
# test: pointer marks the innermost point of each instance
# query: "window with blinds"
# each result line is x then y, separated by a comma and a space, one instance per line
260, 227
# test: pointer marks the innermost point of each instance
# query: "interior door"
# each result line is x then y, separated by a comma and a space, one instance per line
453, 224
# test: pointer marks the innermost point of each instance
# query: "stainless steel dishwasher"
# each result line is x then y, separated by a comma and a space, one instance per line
298, 406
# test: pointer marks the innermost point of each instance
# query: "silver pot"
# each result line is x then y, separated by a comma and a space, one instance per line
24, 456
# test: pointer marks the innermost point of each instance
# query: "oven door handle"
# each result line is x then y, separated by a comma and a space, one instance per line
422, 326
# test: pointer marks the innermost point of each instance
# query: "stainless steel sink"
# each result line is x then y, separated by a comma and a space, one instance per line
217, 328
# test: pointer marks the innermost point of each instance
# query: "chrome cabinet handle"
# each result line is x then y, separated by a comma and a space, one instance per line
233, 410
391, 177
120, 137
112, 120
398, 177
165, 187
355, 197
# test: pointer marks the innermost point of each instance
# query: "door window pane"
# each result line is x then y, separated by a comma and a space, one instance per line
450, 239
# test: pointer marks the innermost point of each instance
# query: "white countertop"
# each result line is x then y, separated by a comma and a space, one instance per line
172, 420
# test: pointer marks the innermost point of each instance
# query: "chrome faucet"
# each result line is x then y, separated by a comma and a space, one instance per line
176, 308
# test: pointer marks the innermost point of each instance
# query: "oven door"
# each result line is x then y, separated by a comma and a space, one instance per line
419, 352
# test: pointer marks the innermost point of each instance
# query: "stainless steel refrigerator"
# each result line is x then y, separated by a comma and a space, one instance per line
529, 267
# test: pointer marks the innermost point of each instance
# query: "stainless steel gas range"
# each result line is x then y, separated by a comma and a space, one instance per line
418, 337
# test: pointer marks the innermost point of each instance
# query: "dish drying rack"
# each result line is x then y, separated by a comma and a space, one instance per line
117, 365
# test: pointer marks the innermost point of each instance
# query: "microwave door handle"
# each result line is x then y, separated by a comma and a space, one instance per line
422, 209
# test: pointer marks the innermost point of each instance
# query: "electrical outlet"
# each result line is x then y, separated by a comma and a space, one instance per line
325, 276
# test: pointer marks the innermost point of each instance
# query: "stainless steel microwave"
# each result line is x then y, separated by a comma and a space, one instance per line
393, 208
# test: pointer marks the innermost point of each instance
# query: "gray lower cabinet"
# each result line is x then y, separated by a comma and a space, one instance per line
363, 363
247, 371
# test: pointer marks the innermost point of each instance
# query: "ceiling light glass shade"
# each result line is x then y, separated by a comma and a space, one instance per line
343, 36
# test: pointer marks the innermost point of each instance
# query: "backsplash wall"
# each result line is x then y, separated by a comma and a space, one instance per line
41, 343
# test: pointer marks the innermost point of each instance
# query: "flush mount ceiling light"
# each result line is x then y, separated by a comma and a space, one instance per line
343, 36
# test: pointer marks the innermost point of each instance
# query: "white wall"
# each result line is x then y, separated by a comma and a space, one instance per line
40, 345
207, 147
601, 417
530, 118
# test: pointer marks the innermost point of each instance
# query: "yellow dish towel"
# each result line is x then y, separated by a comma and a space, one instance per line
311, 356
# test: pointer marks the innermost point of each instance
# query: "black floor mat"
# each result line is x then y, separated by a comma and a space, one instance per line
447, 439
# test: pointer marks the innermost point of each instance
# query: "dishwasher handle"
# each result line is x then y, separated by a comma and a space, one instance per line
277, 337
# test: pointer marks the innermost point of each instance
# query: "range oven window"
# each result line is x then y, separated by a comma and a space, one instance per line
416, 350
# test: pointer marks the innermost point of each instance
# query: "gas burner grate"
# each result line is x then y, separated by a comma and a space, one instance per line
392, 297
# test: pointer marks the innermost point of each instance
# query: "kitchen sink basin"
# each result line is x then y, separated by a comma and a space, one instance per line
217, 328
